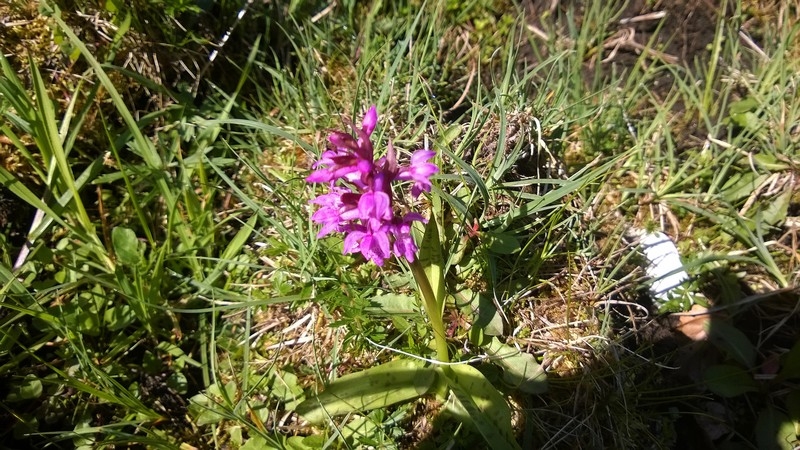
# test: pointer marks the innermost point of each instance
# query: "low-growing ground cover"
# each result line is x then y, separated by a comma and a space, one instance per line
164, 283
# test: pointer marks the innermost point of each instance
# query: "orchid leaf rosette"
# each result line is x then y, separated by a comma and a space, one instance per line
360, 201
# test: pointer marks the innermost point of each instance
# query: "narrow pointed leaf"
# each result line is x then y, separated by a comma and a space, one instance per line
431, 259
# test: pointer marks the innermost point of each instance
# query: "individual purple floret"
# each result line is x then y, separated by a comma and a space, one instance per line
360, 202
419, 172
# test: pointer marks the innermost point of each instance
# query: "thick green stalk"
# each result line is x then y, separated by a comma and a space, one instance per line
433, 310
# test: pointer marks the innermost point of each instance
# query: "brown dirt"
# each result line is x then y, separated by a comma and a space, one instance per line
686, 29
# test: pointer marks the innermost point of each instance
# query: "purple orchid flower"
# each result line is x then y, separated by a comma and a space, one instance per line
360, 202
419, 171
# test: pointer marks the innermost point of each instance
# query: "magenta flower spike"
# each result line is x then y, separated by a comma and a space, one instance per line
361, 201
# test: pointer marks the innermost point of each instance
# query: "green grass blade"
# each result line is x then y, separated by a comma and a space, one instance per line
143, 146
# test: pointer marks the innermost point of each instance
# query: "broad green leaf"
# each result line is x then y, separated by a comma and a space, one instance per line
179, 357
729, 381
741, 185
483, 404
503, 243
748, 120
791, 363
774, 430
178, 382
742, 113
151, 362
234, 248
769, 162
257, 442
489, 318
312, 442
729, 339
111, 6
387, 384
360, 428
203, 411
235, 434
212, 406
118, 317
79, 316
777, 208
126, 246
279, 384
793, 406
390, 304
28, 388
520, 370
744, 105
481, 307
449, 135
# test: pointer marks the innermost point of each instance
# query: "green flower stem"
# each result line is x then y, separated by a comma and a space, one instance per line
433, 310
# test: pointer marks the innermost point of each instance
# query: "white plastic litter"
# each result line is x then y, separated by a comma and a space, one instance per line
664, 266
